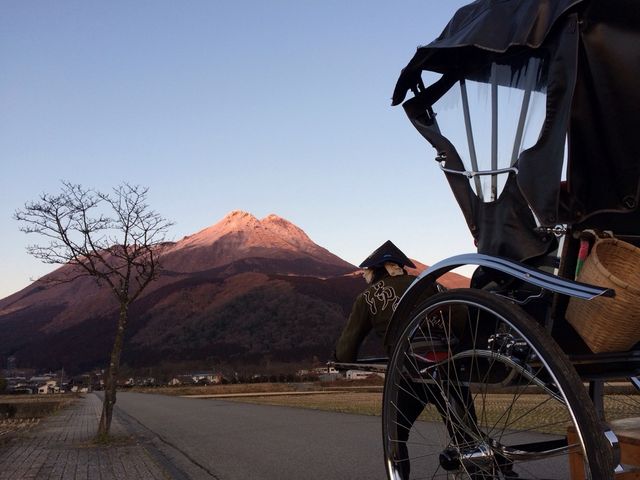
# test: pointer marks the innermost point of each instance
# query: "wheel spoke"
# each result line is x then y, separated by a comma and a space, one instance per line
495, 379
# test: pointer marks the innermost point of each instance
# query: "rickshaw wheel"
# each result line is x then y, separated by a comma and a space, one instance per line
494, 395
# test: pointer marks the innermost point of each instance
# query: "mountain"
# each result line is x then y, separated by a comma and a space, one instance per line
242, 290
240, 236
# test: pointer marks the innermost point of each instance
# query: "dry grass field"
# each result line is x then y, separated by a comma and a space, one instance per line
528, 413
362, 403
19, 412
238, 388
254, 388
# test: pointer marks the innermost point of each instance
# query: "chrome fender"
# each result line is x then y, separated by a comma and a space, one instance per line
513, 268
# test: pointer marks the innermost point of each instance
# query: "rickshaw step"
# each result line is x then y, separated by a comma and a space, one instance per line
627, 430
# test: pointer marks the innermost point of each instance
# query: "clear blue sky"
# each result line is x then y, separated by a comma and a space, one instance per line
271, 107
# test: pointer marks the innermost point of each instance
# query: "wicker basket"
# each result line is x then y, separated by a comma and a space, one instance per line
609, 324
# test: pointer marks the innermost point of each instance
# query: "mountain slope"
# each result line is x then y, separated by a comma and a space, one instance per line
242, 290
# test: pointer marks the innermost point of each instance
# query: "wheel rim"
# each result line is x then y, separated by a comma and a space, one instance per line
495, 389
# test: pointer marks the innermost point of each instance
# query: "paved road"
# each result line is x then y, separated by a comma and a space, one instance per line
225, 440
231, 441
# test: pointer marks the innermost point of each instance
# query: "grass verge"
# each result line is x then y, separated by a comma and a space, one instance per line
244, 388
21, 412
360, 403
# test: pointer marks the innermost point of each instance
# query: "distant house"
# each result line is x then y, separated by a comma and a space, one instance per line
139, 382
20, 385
181, 380
206, 377
51, 386
324, 371
44, 384
147, 382
324, 374
360, 375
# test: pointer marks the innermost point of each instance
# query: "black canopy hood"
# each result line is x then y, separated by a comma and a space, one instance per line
480, 32
592, 55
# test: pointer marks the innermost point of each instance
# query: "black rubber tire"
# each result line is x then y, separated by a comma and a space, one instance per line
462, 371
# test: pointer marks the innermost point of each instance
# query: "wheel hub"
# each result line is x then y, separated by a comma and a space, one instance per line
452, 459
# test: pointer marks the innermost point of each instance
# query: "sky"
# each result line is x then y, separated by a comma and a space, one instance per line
269, 107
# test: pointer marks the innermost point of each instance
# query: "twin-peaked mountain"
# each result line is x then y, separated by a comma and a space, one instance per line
241, 237
243, 291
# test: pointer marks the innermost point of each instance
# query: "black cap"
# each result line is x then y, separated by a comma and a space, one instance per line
387, 252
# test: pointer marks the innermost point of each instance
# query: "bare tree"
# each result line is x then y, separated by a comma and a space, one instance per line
113, 237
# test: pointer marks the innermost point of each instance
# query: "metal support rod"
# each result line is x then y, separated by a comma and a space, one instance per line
520, 129
494, 131
477, 173
467, 123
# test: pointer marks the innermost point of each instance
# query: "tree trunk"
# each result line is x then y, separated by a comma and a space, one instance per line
110, 382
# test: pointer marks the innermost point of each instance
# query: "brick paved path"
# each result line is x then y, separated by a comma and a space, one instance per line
60, 448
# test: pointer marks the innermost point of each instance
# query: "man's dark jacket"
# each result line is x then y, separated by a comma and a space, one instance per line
372, 310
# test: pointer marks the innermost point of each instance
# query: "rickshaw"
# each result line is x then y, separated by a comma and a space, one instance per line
511, 386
